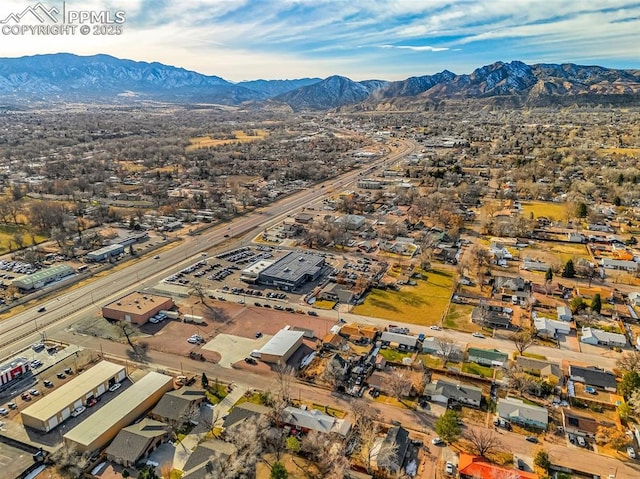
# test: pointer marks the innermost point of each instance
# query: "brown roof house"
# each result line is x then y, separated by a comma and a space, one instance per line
209, 459
180, 406
135, 442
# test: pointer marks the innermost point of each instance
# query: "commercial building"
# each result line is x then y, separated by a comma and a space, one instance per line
136, 307
105, 253
252, 272
12, 371
55, 407
292, 271
99, 429
281, 346
43, 277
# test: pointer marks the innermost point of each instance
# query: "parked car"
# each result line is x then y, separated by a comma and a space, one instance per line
250, 361
581, 441
3, 411
12, 405
258, 335
478, 335
34, 392
312, 313
37, 347
61, 376
77, 411
68, 371
435, 328
92, 402
631, 452
36, 363
115, 387
47, 384
448, 468
436, 441
25, 397
532, 439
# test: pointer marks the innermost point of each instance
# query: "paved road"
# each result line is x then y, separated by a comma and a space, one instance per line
20, 330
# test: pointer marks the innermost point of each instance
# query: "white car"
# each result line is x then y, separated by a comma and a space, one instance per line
435, 328
478, 335
115, 387
34, 392
77, 411
631, 452
192, 341
3, 411
448, 468
436, 441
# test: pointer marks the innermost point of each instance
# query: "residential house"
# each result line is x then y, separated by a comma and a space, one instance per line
544, 369
564, 313
519, 412
180, 406
619, 264
332, 342
134, 443
581, 423
491, 316
487, 357
550, 327
381, 380
446, 392
314, 420
499, 250
634, 298
476, 467
244, 412
397, 439
599, 337
359, 333
593, 376
510, 284
574, 237
431, 345
403, 342
351, 222
534, 265
210, 456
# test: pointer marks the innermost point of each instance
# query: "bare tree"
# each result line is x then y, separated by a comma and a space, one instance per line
446, 349
363, 414
197, 289
69, 462
523, 339
399, 385
286, 376
629, 362
484, 441
333, 373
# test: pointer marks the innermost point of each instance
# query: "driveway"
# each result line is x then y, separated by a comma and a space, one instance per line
234, 348
569, 342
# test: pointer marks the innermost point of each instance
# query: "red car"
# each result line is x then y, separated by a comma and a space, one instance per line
92, 402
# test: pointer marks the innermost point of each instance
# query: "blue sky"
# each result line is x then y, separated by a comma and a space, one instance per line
361, 39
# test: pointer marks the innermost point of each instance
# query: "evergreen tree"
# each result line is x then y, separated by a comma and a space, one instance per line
548, 276
278, 471
447, 426
596, 303
205, 382
569, 270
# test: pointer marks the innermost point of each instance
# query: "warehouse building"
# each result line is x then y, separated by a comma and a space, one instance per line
54, 408
136, 307
292, 271
281, 346
99, 429
105, 253
43, 277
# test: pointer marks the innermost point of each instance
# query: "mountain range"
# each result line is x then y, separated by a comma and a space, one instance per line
66, 77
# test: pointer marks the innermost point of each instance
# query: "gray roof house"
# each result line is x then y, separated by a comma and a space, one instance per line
446, 392
202, 461
179, 406
541, 368
398, 438
599, 337
431, 345
487, 357
401, 341
133, 443
314, 420
243, 412
517, 411
593, 376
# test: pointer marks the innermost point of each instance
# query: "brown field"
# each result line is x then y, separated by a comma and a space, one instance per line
632, 152
207, 141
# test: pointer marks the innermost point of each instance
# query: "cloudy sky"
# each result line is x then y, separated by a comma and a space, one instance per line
362, 39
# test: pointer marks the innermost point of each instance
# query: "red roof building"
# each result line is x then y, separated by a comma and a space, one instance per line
476, 467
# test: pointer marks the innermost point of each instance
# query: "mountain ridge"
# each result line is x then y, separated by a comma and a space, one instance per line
104, 78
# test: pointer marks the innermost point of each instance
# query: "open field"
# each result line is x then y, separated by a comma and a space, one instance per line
633, 152
555, 211
459, 318
8, 233
207, 141
423, 304
557, 253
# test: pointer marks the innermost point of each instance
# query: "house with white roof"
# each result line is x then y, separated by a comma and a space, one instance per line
599, 337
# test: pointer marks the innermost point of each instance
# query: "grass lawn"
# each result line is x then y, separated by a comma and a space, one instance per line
9, 231
393, 355
556, 211
430, 361
255, 398
424, 303
323, 304
207, 141
459, 318
487, 372
297, 467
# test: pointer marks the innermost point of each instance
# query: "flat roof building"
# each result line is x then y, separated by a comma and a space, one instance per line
251, 273
136, 307
281, 346
105, 252
43, 277
55, 407
293, 270
99, 429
